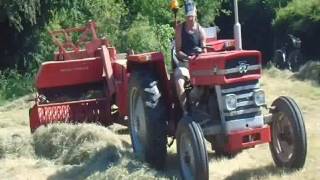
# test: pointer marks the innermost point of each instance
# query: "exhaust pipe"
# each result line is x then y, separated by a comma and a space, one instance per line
237, 27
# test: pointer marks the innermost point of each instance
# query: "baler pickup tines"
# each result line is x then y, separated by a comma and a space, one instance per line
89, 111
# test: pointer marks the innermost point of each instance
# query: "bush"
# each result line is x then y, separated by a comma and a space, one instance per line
144, 37
304, 10
310, 71
141, 37
14, 84
165, 35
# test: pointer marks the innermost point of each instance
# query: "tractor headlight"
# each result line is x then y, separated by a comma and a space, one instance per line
230, 102
259, 98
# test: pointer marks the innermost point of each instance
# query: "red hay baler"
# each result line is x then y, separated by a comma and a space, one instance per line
82, 82
89, 82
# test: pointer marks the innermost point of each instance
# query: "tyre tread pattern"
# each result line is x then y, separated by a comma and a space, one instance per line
147, 84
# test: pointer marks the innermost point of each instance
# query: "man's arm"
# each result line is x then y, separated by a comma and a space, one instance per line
203, 39
180, 54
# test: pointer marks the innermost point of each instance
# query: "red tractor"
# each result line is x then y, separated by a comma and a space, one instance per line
89, 82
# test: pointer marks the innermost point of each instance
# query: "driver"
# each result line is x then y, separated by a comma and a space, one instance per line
189, 38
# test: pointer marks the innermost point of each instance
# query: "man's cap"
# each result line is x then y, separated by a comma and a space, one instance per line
190, 8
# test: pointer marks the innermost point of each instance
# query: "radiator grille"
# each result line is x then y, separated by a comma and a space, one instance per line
246, 62
246, 108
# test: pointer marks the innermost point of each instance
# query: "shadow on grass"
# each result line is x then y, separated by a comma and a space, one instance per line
109, 162
258, 173
218, 157
253, 173
172, 166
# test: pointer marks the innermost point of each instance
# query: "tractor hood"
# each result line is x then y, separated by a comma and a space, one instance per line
217, 68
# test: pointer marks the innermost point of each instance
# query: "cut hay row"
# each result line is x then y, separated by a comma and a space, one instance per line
65, 151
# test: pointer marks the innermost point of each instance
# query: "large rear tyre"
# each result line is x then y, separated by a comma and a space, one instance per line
147, 116
288, 135
192, 152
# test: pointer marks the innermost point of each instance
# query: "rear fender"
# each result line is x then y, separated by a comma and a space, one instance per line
154, 61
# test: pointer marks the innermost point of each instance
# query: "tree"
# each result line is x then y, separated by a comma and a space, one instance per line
24, 40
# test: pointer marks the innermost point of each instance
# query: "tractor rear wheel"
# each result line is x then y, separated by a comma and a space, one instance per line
288, 135
147, 116
192, 152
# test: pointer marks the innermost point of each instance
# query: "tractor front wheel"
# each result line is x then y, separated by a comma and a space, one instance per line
192, 152
288, 135
147, 116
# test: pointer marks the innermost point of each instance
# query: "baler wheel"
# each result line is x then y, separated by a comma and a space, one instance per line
147, 118
192, 152
288, 135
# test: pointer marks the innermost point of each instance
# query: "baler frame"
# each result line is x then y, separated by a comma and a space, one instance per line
88, 63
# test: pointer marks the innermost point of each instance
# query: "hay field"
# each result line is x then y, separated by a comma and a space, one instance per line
94, 152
